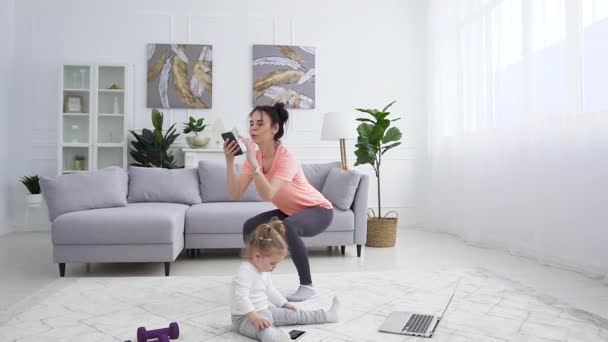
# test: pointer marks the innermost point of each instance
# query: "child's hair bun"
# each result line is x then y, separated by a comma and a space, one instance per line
277, 225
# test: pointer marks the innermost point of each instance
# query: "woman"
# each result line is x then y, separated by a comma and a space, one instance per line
278, 177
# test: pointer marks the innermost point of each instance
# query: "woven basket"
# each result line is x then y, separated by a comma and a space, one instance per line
381, 231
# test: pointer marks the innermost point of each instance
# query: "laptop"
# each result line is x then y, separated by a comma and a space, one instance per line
412, 324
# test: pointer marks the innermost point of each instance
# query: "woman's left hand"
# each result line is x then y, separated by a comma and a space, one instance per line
290, 307
251, 151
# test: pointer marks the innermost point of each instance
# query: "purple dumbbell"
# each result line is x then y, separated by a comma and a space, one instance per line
162, 335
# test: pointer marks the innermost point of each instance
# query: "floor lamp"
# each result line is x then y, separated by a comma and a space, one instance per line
340, 126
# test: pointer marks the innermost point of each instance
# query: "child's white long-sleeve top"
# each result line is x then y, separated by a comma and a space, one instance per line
251, 290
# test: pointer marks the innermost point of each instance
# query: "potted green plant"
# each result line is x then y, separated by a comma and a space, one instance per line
79, 162
375, 138
32, 183
151, 148
195, 126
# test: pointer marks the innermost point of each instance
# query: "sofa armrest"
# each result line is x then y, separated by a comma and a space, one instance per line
359, 208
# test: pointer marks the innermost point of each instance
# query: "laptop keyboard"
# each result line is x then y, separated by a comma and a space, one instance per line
418, 323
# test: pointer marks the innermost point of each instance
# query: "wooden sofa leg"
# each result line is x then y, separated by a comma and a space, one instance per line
358, 251
343, 249
62, 269
167, 268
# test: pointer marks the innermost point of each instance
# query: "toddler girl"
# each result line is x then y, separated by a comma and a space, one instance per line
252, 290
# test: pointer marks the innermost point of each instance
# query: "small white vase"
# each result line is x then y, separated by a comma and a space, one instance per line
33, 200
116, 105
197, 141
201, 141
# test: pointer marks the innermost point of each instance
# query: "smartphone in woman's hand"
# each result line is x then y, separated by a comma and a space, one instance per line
230, 136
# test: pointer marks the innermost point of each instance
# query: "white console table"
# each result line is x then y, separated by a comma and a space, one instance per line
193, 155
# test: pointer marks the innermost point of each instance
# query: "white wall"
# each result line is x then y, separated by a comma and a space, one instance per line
6, 59
367, 56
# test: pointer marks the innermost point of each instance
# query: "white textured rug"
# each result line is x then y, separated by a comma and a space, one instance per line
485, 308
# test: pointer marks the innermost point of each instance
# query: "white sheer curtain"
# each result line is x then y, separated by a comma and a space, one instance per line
518, 127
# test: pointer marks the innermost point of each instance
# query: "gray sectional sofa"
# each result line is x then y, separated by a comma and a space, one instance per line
152, 214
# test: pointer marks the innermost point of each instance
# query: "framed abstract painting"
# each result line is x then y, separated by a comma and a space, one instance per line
284, 74
179, 76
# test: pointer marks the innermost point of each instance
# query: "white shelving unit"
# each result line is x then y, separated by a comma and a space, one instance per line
93, 119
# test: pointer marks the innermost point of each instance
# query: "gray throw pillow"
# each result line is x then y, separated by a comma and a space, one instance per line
316, 174
213, 183
340, 187
105, 188
163, 185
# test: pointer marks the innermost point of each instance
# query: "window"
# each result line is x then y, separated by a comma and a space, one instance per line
523, 58
549, 60
507, 62
594, 19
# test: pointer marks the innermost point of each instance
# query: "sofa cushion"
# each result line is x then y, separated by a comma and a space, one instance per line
222, 217
148, 184
104, 188
229, 218
344, 220
213, 187
340, 187
316, 174
137, 223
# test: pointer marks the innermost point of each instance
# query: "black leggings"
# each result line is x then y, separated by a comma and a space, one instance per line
308, 222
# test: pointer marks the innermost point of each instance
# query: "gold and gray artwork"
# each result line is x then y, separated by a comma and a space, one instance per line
179, 76
284, 74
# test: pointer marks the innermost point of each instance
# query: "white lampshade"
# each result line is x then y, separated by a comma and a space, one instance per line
339, 125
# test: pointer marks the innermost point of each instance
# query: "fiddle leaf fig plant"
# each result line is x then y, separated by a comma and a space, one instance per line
376, 137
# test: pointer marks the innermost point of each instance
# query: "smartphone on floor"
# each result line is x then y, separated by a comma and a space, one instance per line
296, 334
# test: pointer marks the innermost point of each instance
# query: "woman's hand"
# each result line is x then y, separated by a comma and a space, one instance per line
250, 151
258, 321
230, 148
290, 307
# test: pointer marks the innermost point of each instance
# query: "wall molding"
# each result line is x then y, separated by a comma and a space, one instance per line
235, 33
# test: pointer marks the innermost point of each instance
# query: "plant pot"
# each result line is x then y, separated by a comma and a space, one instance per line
381, 231
33, 200
79, 165
197, 141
